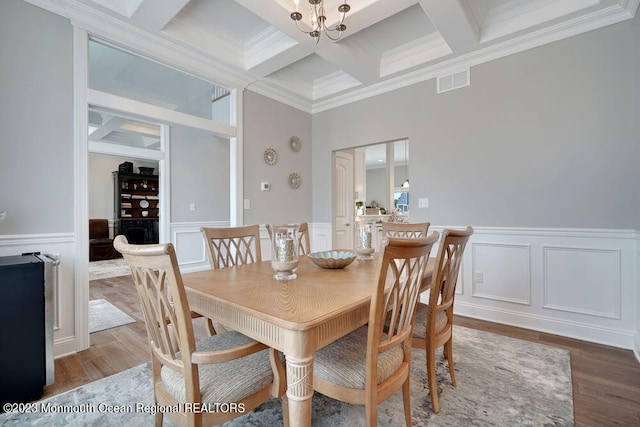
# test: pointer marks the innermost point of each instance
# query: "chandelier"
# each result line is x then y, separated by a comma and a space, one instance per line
317, 20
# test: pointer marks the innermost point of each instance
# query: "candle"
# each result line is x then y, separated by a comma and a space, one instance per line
285, 250
365, 239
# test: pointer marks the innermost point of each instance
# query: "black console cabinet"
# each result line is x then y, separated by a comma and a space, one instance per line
136, 206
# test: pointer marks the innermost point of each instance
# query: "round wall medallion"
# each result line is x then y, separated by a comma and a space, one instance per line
294, 180
270, 156
295, 144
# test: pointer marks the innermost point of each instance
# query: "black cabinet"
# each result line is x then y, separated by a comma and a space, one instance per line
136, 206
26, 327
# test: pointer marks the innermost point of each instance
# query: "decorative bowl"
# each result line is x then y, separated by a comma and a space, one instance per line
333, 259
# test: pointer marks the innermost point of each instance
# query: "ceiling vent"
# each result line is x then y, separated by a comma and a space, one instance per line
453, 81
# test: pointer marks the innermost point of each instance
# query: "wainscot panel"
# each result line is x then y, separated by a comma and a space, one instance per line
578, 283
62, 247
190, 245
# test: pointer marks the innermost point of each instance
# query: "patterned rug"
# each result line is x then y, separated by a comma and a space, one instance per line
501, 382
104, 315
108, 268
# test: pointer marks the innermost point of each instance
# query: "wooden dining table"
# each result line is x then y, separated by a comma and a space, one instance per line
296, 317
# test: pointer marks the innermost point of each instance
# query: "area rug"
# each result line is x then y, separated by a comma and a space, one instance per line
104, 315
501, 382
108, 268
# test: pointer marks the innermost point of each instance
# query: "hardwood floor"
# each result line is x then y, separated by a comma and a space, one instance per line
606, 380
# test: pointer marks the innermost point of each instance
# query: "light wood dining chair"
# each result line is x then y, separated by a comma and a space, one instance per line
434, 321
405, 230
223, 368
304, 241
370, 364
231, 247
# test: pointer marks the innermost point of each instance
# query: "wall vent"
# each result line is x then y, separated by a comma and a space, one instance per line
453, 81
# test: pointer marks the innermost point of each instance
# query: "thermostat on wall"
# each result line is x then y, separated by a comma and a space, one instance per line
265, 186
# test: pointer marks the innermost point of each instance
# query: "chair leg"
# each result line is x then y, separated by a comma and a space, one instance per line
285, 410
210, 328
371, 414
431, 377
406, 400
279, 383
449, 353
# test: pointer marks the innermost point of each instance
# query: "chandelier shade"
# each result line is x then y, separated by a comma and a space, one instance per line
317, 20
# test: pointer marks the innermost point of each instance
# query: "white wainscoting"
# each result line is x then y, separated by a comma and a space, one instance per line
190, 246
574, 283
579, 283
62, 246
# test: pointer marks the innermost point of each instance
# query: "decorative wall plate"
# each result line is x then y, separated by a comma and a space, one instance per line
144, 204
295, 144
270, 156
294, 180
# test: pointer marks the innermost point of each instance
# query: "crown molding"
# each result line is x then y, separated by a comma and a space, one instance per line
263, 88
155, 47
624, 10
414, 53
171, 53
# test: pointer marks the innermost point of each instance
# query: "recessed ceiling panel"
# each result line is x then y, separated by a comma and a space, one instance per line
399, 29
221, 28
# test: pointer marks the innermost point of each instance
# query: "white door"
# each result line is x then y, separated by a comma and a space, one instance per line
343, 201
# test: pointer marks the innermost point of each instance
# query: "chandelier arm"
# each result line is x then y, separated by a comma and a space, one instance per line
316, 9
328, 34
300, 29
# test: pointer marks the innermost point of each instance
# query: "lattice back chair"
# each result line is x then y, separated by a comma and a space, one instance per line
370, 364
405, 230
232, 246
304, 241
434, 321
227, 367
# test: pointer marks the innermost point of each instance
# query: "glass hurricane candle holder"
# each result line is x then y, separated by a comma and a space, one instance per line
364, 241
284, 251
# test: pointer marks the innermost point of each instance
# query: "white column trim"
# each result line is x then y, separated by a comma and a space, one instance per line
81, 187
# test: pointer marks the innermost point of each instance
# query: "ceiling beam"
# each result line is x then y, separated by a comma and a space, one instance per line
155, 14
354, 62
455, 22
111, 125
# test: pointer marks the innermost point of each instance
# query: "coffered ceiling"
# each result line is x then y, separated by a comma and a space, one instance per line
387, 44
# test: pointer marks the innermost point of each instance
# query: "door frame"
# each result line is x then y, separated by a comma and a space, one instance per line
84, 97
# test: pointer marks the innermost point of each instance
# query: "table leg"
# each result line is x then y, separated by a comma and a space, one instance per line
299, 390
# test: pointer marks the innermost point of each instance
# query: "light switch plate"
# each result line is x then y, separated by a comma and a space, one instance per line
423, 202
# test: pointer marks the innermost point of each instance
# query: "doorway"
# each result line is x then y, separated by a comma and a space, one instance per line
369, 182
343, 200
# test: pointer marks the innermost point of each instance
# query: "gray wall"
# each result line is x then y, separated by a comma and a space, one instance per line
36, 119
199, 175
545, 138
268, 123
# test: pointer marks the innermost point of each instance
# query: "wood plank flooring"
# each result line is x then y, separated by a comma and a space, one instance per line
606, 380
